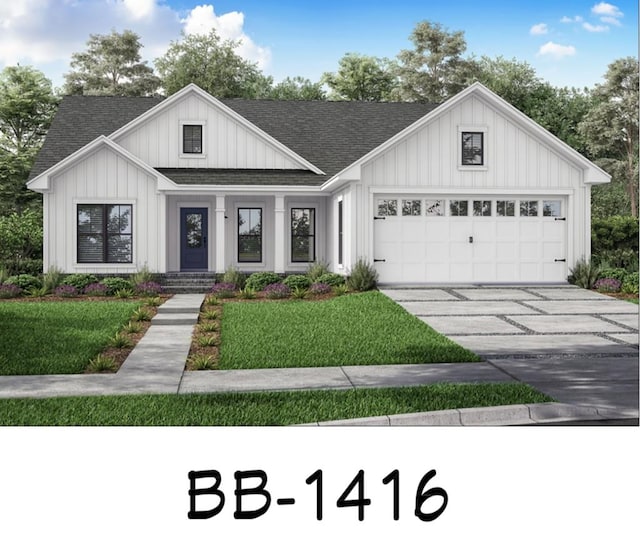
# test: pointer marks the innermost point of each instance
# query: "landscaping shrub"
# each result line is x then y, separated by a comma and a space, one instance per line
148, 288
630, 284
9, 290
52, 279
247, 294
363, 276
612, 273
23, 266
4, 273
607, 284
331, 279
614, 240
234, 276
223, 290
297, 281
626, 259
144, 275
66, 291
317, 269
260, 280
79, 281
320, 288
96, 289
114, 284
277, 291
584, 274
21, 242
299, 293
24, 281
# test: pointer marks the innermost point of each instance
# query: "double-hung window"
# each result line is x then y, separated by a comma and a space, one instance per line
472, 148
105, 233
250, 235
303, 234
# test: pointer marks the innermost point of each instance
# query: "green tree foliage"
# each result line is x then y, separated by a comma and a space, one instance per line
20, 239
297, 88
111, 65
435, 69
27, 105
361, 78
213, 65
611, 126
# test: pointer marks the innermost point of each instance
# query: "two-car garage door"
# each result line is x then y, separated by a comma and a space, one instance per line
441, 239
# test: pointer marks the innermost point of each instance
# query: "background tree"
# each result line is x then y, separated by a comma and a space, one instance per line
611, 126
361, 78
213, 65
27, 105
435, 69
297, 88
111, 65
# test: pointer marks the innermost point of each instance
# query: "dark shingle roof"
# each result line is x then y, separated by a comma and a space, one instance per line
222, 177
330, 135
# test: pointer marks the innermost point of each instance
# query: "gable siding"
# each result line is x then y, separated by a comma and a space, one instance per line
227, 143
105, 177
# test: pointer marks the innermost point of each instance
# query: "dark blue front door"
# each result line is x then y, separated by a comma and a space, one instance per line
193, 239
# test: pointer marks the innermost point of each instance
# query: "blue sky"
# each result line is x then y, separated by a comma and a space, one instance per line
567, 42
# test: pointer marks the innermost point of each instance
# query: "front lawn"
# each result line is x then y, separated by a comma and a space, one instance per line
258, 409
57, 337
356, 329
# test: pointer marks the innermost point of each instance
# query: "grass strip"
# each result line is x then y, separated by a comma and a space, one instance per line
358, 329
258, 409
51, 337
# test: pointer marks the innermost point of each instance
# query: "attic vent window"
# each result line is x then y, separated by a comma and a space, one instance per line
472, 148
192, 139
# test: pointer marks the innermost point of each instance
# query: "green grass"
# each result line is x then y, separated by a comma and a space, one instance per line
357, 329
632, 300
258, 409
57, 337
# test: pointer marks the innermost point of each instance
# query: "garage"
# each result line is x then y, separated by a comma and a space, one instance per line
470, 239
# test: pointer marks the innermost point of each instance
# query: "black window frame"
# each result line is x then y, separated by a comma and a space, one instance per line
251, 235
464, 162
309, 235
191, 139
104, 233
340, 232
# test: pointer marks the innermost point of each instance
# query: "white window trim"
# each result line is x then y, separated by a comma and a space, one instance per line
485, 153
203, 124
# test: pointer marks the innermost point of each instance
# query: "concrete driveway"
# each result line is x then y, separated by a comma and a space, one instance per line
546, 336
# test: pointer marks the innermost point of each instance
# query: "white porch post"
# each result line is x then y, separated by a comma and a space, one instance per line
220, 234
279, 261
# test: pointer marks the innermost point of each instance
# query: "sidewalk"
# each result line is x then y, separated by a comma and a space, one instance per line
156, 365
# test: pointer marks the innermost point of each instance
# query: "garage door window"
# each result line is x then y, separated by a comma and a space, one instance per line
388, 207
528, 208
459, 208
482, 208
411, 207
551, 208
434, 207
505, 208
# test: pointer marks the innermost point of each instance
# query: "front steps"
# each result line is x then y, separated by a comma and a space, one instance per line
187, 282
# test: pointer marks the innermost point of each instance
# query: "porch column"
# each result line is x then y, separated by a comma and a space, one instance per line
279, 261
220, 234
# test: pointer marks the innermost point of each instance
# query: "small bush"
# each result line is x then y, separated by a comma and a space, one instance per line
260, 280
114, 284
119, 340
38, 292
144, 275
277, 291
618, 258
363, 276
340, 290
297, 281
299, 293
133, 327
9, 290
331, 279
22, 266
584, 274
124, 294
79, 280
52, 279
606, 272
96, 289
141, 315
153, 301
66, 291
202, 362
247, 294
4, 273
24, 281
315, 270
148, 288
207, 340
209, 315
320, 288
223, 290
630, 284
607, 284
211, 300
208, 327
102, 363
234, 276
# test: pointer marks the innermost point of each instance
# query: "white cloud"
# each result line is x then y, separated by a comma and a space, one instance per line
611, 20
202, 19
567, 20
556, 51
595, 29
607, 10
539, 29
140, 9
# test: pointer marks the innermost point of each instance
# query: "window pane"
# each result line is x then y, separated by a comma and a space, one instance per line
192, 139
90, 219
302, 248
119, 248
411, 207
340, 232
528, 208
459, 208
505, 208
249, 249
472, 149
551, 208
303, 234
434, 207
249, 235
119, 219
482, 208
90, 248
194, 230
388, 207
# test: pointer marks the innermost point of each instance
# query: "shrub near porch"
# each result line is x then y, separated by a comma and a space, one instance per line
357, 329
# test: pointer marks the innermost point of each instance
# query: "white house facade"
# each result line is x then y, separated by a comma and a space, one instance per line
471, 190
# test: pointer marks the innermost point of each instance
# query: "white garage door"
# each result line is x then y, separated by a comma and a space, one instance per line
466, 239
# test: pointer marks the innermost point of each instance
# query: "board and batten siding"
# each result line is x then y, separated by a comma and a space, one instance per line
104, 177
515, 160
227, 143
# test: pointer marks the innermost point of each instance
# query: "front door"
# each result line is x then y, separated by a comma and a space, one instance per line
193, 239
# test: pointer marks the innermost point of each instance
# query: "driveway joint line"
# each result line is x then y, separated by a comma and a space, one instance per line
347, 376
515, 324
456, 294
528, 306
601, 316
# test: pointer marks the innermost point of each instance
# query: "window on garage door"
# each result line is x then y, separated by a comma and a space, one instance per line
552, 208
459, 207
434, 207
528, 208
387, 207
411, 207
505, 208
482, 208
